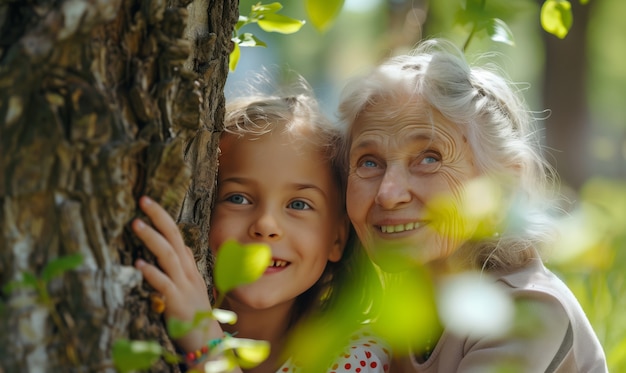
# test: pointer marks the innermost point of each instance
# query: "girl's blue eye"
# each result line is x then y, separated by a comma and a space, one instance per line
299, 205
238, 199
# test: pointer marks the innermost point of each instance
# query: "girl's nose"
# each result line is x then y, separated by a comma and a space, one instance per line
266, 226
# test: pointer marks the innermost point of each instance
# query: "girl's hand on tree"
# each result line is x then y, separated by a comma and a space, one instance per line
178, 278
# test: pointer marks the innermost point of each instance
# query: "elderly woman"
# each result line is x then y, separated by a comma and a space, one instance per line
422, 131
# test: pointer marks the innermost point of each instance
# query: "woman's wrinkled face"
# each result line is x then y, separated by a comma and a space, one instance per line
408, 166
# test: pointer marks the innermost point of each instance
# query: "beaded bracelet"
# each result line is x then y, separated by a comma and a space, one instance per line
194, 357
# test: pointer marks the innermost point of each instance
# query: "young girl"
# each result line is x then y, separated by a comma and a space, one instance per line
278, 184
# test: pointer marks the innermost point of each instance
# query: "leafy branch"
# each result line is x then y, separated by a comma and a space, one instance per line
53, 269
556, 18
321, 13
268, 19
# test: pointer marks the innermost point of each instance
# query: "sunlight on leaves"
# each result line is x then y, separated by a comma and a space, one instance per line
322, 13
406, 319
265, 16
178, 328
587, 234
482, 203
303, 343
341, 323
129, 356
238, 264
261, 9
579, 232
470, 303
500, 32
248, 352
233, 59
249, 40
221, 365
279, 23
224, 316
556, 17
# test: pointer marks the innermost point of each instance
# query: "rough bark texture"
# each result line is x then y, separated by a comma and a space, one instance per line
101, 101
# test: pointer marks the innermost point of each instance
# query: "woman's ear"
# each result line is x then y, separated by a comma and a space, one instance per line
343, 231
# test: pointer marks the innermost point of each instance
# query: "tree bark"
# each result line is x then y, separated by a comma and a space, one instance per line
101, 101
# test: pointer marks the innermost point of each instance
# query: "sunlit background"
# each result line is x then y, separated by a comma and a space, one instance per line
581, 80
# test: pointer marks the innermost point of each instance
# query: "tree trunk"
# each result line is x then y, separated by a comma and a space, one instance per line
568, 128
101, 102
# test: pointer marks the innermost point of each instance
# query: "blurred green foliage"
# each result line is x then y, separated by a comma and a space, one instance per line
593, 263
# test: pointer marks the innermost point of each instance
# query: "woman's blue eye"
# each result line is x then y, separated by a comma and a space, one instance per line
369, 164
299, 205
237, 199
429, 160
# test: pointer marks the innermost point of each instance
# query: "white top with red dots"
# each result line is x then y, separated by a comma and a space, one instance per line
365, 354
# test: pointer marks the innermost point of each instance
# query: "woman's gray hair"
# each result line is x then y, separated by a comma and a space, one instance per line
501, 130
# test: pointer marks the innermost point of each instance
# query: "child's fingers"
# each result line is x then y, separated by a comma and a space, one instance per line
164, 285
161, 248
157, 279
164, 223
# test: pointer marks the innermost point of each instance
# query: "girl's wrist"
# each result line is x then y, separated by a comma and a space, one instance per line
194, 358
195, 340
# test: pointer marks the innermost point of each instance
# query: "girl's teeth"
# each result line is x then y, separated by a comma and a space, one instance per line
278, 263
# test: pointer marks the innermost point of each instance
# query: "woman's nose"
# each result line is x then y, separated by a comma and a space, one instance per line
394, 189
266, 226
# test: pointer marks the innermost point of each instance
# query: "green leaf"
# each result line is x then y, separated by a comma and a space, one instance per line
177, 328
238, 264
241, 22
402, 315
200, 316
556, 17
60, 265
134, 355
171, 358
224, 316
500, 32
266, 8
233, 58
222, 364
280, 23
28, 280
322, 13
249, 352
249, 40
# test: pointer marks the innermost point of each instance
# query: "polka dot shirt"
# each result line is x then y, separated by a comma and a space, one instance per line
365, 354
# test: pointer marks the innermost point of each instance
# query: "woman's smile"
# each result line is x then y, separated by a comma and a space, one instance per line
398, 228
